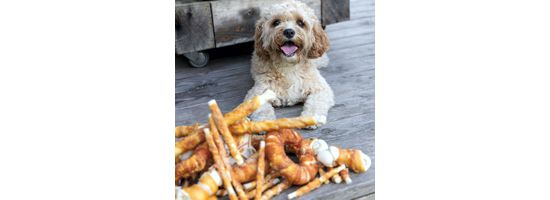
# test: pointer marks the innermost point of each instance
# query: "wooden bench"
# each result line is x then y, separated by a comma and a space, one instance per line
211, 24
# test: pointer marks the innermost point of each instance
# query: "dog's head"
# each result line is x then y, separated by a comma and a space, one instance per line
289, 32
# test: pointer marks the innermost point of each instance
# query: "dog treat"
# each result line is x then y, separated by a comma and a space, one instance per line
246, 126
260, 172
248, 107
336, 178
268, 184
206, 187
222, 127
276, 141
321, 173
219, 164
275, 190
189, 143
315, 183
196, 163
345, 175
355, 159
182, 131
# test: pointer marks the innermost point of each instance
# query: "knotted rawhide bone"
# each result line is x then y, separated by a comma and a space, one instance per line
246, 126
355, 159
345, 175
206, 187
196, 163
276, 141
189, 143
219, 164
260, 171
222, 127
315, 183
277, 189
221, 149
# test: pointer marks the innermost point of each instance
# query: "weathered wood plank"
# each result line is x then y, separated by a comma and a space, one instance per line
194, 29
334, 11
234, 21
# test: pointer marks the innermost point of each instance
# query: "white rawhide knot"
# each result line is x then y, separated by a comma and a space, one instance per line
267, 96
318, 145
335, 152
180, 194
326, 158
366, 161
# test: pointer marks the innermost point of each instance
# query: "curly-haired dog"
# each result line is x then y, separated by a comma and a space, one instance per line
290, 45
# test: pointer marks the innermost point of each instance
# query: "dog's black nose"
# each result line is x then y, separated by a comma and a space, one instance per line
289, 33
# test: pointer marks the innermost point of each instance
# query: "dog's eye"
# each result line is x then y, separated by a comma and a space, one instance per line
276, 22
300, 23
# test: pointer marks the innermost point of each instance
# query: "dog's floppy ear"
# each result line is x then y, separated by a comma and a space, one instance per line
258, 43
321, 44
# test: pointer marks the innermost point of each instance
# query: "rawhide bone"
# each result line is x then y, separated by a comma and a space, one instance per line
206, 187
196, 163
220, 166
296, 174
315, 183
225, 161
355, 159
244, 109
246, 126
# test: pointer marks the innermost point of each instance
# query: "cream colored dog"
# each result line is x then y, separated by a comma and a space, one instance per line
290, 45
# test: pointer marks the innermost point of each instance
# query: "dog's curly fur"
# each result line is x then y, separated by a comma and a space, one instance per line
294, 78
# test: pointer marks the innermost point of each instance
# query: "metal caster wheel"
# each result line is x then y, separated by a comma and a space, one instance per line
197, 59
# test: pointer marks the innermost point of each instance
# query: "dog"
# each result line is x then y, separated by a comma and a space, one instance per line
289, 47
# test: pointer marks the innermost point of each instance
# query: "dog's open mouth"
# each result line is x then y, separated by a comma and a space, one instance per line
289, 49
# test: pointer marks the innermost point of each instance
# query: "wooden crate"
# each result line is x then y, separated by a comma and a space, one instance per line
213, 24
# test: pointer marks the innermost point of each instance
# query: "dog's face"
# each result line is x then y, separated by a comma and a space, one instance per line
290, 32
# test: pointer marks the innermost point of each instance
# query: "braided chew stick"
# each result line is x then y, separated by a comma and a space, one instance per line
189, 143
260, 172
206, 187
182, 131
245, 126
276, 190
236, 184
222, 127
195, 163
297, 174
315, 183
219, 164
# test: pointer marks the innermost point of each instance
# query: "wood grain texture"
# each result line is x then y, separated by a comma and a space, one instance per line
335, 11
194, 29
234, 21
350, 74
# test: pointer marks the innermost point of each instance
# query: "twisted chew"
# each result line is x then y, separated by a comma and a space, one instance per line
182, 131
189, 143
260, 171
219, 164
222, 127
248, 107
345, 175
246, 126
195, 163
206, 187
279, 161
276, 190
315, 183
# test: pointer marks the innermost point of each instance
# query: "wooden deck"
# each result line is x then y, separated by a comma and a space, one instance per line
350, 74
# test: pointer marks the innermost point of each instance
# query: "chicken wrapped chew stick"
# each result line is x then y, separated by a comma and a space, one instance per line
315, 183
246, 126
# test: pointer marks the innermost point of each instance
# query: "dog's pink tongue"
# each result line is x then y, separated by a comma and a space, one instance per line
289, 49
